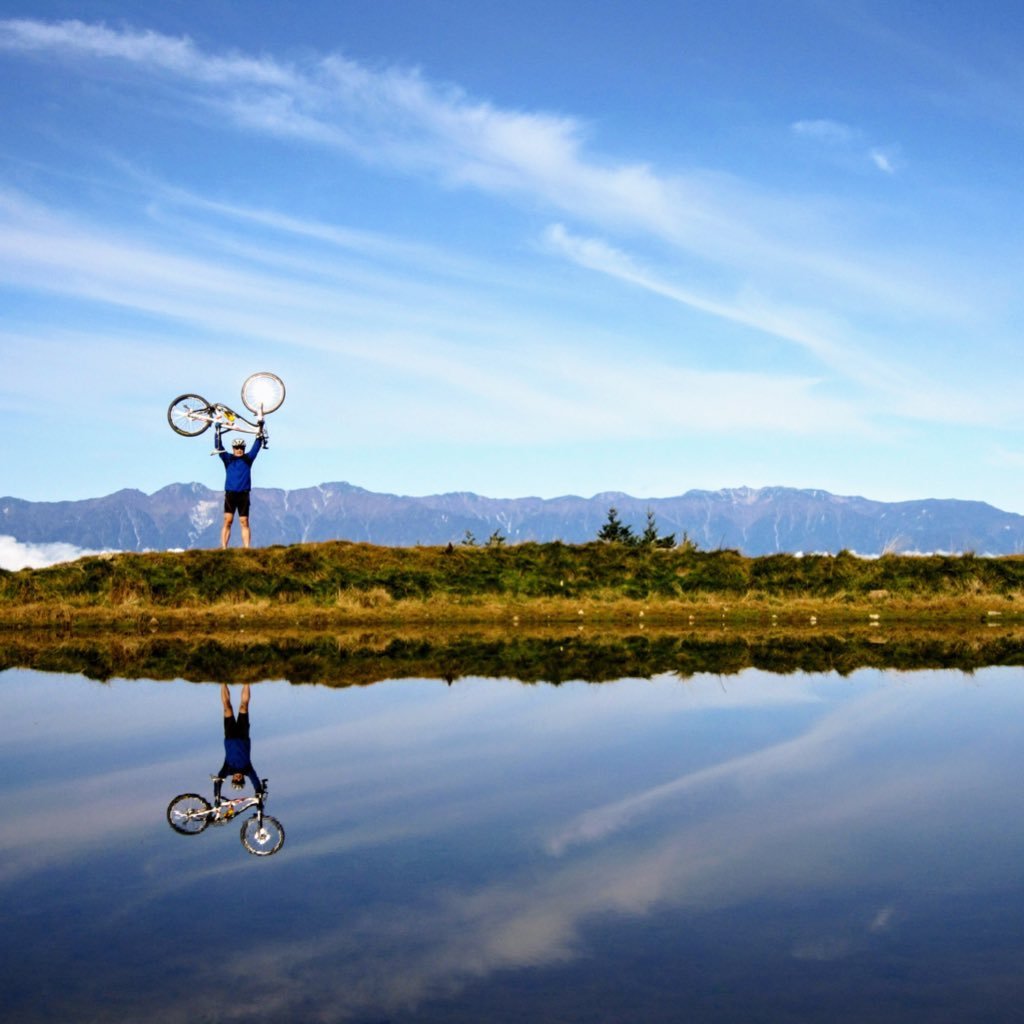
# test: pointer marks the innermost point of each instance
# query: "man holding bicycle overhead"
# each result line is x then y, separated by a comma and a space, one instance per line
237, 745
237, 483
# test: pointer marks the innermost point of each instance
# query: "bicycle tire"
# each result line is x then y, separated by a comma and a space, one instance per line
178, 415
262, 840
183, 814
263, 389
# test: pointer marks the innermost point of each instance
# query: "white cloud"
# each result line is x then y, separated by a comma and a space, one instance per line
440, 332
398, 118
825, 130
819, 334
883, 161
396, 319
601, 256
845, 139
15, 554
155, 51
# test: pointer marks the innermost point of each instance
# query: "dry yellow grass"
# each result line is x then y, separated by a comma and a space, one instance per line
376, 607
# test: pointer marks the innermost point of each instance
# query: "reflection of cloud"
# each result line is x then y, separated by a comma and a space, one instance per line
833, 947
794, 817
882, 920
814, 814
758, 770
60, 822
838, 940
390, 959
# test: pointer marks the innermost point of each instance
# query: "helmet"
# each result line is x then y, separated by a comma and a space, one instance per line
238, 443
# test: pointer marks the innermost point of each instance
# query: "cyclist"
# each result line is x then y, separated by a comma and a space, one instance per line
237, 483
237, 745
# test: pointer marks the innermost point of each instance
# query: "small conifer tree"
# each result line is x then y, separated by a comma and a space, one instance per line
615, 531
652, 539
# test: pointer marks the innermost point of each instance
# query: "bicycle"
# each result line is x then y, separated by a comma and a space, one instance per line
262, 393
262, 835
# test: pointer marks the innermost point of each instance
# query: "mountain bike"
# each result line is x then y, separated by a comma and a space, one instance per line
262, 393
189, 814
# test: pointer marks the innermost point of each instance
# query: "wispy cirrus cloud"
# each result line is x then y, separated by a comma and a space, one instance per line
778, 266
392, 115
397, 117
390, 318
826, 130
844, 138
814, 331
158, 52
884, 160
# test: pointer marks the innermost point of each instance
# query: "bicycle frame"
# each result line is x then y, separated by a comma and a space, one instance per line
227, 419
226, 809
261, 834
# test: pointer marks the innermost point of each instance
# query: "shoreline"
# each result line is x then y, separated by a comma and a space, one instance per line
353, 655
747, 611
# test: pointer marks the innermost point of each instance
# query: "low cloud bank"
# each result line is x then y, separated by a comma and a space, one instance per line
14, 554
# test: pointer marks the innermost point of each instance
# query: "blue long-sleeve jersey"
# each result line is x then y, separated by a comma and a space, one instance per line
238, 468
237, 758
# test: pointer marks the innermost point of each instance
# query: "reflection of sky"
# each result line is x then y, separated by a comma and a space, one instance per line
440, 837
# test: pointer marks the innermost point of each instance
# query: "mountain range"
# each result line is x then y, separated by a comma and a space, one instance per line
757, 521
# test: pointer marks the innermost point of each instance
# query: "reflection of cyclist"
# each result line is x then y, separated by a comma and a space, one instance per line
237, 745
237, 483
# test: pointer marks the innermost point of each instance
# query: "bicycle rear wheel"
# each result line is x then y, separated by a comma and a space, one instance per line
262, 838
263, 391
187, 415
188, 814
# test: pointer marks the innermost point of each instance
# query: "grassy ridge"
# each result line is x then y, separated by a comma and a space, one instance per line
552, 579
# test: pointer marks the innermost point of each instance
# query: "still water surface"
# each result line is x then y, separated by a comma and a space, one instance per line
750, 848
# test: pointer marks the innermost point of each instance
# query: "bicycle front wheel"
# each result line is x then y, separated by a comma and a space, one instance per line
189, 415
188, 814
262, 838
263, 392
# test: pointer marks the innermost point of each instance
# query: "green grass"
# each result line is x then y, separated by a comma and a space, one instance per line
291, 583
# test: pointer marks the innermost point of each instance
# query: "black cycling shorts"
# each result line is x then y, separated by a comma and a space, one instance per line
237, 501
237, 728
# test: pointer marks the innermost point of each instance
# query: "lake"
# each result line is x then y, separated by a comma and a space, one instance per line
744, 847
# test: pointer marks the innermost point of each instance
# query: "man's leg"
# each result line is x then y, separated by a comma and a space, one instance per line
244, 521
225, 700
225, 532
243, 707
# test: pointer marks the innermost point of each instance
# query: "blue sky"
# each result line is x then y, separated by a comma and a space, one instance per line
517, 249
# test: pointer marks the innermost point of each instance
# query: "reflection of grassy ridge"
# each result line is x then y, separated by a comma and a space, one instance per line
360, 658
342, 581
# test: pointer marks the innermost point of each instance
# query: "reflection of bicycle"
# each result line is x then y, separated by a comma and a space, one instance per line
192, 415
189, 814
